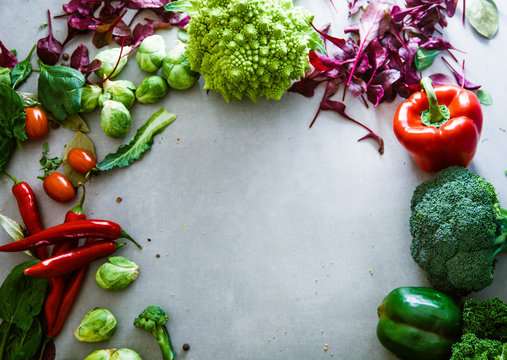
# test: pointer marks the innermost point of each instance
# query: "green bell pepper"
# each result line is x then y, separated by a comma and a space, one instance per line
419, 323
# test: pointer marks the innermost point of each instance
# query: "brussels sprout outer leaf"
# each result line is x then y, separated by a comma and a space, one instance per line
140, 142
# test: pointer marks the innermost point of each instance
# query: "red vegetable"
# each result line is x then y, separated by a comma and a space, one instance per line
28, 209
57, 284
36, 123
74, 259
58, 187
49, 49
439, 127
64, 232
81, 160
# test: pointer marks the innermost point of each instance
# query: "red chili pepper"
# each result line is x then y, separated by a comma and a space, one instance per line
57, 284
439, 127
28, 209
64, 232
73, 259
72, 290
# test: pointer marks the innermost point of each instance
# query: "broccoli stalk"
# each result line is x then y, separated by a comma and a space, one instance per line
153, 319
458, 227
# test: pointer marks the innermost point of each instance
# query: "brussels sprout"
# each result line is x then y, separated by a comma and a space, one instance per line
151, 53
125, 354
98, 325
116, 274
5, 76
115, 119
101, 355
109, 58
120, 90
90, 97
176, 69
151, 89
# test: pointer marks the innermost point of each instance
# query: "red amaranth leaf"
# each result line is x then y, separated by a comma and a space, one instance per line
460, 78
79, 59
113, 26
7, 59
49, 49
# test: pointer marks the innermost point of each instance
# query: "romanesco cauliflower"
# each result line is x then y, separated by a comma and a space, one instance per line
248, 48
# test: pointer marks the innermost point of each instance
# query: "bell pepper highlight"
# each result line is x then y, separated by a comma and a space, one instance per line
439, 126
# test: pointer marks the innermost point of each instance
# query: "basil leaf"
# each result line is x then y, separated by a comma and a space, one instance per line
484, 97
7, 147
12, 114
59, 90
22, 345
21, 297
22, 70
424, 58
140, 142
5, 76
483, 16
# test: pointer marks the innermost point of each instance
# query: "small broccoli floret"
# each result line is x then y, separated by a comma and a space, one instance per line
456, 222
153, 319
473, 348
487, 319
248, 48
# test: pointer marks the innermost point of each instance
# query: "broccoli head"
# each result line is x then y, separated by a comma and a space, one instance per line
487, 319
473, 348
250, 48
457, 226
153, 319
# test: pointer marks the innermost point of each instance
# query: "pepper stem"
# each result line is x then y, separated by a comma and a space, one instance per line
128, 237
16, 181
78, 209
436, 115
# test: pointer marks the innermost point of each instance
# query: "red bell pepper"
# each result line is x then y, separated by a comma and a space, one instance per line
439, 126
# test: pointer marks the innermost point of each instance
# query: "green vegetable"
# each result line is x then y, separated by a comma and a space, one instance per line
487, 319
140, 142
121, 90
115, 119
90, 97
151, 53
100, 355
109, 59
419, 323
473, 348
125, 354
116, 274
483, 16
98, 325
457, 227
113, 354
153, 320
247, 47
424, 58
21, 300
151, 89
5, 76
176, 69
22, 70
484, 97
12, 123
60, 89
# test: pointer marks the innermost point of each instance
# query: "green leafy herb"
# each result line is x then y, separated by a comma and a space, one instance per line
29, 99
22, 344
484, 97
483, 16
140, 142
82, 141
424, 58
21, 299
60, 90
22, 70
5, 76
48, 164
12, 123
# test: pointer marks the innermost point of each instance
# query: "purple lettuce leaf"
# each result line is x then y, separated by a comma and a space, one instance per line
7, 59
49, 49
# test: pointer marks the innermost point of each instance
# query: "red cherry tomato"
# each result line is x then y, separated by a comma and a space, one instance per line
81, 160
58, 187
36, 123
